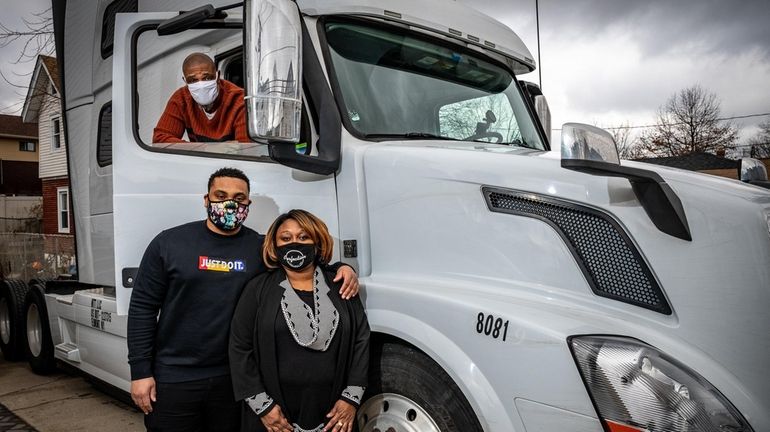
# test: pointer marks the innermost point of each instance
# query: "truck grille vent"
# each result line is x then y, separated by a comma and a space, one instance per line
610, 261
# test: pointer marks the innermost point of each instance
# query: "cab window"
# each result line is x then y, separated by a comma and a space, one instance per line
168, 113
398, 84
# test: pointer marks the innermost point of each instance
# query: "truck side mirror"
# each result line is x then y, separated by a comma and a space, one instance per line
585, 142
753, 170
592, 150
544, 114
540, 105
273, 53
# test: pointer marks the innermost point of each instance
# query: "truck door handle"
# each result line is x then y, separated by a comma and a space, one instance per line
129, 276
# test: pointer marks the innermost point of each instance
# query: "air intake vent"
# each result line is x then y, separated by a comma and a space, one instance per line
609, 260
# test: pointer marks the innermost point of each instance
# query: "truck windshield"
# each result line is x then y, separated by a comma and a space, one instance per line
399, 85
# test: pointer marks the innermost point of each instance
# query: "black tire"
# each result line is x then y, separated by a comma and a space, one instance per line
41, 358
405, 371
39, 281
12, 337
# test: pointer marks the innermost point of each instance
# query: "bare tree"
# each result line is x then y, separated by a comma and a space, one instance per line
760, 143
37, 36
628, 145
689, 122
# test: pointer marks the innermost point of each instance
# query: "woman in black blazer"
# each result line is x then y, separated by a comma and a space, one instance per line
299, 353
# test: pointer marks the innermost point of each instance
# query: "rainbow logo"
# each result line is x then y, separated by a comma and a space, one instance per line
220, 265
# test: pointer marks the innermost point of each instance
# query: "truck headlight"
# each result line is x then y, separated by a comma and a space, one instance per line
635, 387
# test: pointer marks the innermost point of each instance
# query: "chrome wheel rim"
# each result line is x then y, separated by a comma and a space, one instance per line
390, 412
34, 330
5, 321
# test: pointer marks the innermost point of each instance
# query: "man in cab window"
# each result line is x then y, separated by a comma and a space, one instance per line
208, 108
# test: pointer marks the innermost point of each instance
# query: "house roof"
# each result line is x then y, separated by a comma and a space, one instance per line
12, 126
46, 71
694, 162
53, 69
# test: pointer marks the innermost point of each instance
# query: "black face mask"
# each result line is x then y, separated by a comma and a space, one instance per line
296, 256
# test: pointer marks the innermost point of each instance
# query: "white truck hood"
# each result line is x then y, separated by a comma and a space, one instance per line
718, 284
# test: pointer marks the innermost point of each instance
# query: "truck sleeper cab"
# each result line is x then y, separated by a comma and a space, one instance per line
508, 290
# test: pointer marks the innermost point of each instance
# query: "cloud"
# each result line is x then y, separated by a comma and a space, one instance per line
663, 27
609, 62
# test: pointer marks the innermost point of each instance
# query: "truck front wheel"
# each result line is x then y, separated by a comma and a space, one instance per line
11, 319
409, 392
39, 343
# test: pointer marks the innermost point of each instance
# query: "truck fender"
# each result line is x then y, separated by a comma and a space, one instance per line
489, 409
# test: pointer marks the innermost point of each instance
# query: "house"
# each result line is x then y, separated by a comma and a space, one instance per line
18, 157
706, 163
43, 106
20, 186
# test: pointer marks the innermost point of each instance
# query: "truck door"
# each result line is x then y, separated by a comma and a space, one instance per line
157, 186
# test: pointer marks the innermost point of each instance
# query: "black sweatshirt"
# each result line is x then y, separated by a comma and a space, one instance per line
193, 277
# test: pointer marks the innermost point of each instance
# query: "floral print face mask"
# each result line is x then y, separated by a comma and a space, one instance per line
228, 215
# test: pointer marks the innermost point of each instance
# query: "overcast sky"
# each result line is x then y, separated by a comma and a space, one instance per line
609, 62
11, 14
604, 62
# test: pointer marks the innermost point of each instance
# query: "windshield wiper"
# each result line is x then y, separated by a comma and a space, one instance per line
521, 143
409, 135
427, 135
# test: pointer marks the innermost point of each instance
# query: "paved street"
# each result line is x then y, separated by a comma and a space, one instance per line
10, 422
58, 402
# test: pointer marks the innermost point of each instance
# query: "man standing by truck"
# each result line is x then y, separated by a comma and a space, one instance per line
193, 275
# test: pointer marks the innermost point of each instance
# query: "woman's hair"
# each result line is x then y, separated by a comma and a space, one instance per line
314, 227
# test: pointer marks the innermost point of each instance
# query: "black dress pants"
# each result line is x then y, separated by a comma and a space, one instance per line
206, 405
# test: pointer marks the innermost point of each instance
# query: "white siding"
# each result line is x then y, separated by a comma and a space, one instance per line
53, 163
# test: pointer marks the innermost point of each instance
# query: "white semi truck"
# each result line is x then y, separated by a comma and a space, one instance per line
508, 288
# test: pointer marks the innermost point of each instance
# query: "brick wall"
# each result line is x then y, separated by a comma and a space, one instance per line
60, 245
50, 208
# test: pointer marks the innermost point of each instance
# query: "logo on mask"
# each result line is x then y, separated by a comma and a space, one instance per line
294, 258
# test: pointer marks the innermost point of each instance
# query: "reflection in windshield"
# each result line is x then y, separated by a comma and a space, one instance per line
397, 85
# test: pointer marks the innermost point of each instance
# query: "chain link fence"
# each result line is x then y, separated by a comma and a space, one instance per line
21, 225
26, 256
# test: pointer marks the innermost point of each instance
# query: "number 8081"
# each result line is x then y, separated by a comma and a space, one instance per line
488, 325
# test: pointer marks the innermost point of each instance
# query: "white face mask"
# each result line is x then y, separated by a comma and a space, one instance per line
204, 92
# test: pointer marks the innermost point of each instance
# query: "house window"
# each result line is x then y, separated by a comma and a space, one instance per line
55, 133
26, 146
63, 209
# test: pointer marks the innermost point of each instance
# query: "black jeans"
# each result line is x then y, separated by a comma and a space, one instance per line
206, 405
